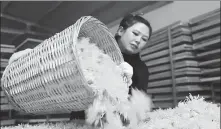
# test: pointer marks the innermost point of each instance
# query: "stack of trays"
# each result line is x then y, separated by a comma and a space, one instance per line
181, 64
6, 108
206, 44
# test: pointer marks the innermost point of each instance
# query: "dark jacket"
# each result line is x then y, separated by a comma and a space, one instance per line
140, 72
140, 79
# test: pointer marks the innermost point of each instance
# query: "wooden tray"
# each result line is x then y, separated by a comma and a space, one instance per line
7, 48
206, 34
204, 17
192, 88
43, 120
180, 96
211, 79
4, 63
164, 37
159, 90
207, 25
208, 53
178, 72
170, 98
4, 100
180, 80
207, 43
176, 57
6, 107
2, 94
7, 51
178, 49
184, 39
174, 26
185, 88
163, 104
178, 64
7, 122
210, 63
210, 71
210, 56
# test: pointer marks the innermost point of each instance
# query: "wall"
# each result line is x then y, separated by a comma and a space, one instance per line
178, 10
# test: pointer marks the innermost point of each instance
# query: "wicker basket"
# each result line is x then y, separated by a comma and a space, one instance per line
49, 79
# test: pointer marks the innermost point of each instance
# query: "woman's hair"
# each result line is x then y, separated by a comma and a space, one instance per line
130, 20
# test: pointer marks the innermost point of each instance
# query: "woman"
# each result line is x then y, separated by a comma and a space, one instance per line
132, 35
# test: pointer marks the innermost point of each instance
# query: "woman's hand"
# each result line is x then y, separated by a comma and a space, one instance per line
127, 72
17, 55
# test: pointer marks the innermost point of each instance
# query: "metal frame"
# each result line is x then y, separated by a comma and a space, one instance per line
19, 31
172, 68
4, 5
28, 23
213, 93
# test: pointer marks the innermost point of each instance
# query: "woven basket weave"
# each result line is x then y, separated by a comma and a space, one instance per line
49, 78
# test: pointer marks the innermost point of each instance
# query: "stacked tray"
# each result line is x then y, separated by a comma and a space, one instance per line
6, 108
178, 69
22, 118
206, 44
6, 52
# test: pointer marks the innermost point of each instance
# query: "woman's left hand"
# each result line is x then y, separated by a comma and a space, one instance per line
127, 72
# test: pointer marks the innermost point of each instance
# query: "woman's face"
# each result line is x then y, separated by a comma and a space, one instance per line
134, 38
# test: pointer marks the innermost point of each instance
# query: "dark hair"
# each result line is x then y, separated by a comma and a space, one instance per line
130, 20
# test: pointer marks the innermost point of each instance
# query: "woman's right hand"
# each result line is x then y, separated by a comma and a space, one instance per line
18, 55
127, 72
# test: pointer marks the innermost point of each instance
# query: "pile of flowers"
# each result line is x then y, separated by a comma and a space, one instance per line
193, 113
100, 71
